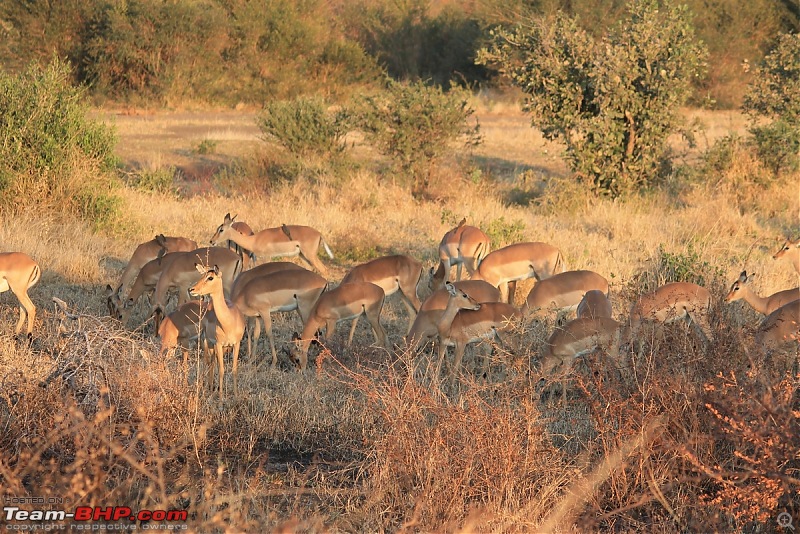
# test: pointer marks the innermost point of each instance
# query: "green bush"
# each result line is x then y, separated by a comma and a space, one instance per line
303, 127
415, 124
51, 154
613, 101
775, 95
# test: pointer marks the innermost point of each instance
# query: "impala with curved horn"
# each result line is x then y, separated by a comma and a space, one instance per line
463, 246
19, 272
519, 262
287, 240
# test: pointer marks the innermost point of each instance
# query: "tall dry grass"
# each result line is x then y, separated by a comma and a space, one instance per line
372, 441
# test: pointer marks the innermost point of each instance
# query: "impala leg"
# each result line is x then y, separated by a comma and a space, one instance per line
26, 310
459, 355
257, 332
377, 329
459, 265
312, 259
220, 353
503, 287
236, 368
352, 330
512, 289
411, 307
266, 316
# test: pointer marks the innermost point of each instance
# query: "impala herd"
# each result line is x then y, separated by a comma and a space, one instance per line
457, 313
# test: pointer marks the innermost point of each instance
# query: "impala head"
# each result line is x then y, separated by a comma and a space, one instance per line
208, 282
787, 247
114, 303
462, 300
736, 288
223, 230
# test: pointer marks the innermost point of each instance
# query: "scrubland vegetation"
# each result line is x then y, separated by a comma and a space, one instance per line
369, 440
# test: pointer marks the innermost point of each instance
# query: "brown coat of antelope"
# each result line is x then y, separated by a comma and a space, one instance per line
149, 251
19, 272
593, 305
393, 274
791, 250
781, 330
223, 326
347, 301
519, 262
561, 293
286, 240
740, 289
145, 283
181, 327
672, 302
463, 246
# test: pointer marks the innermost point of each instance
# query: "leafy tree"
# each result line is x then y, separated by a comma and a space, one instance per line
775, 94
612, 100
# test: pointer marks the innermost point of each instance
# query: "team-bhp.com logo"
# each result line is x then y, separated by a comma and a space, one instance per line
93, 518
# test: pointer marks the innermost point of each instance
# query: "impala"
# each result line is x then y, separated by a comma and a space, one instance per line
765, 305
790, 249
578, 338
424, 327
780, 328
181, 327
347, 301
671, 302
287, 240
180, 273
392, 274
463, 246
258, 271
148, 251
466, 321
593, 305
19, 272
519, 262
562, 292
224, 325
246, 256
281, 291
145, 284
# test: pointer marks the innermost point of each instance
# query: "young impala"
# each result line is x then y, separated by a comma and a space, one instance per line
740, 289
347, 301
672, 302
181, 327
463, 246
393, 274
224, 324
287, 240
562, 292
19, 272
518, 262
790, 249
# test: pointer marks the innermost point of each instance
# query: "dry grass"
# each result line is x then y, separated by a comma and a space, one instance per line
370, 441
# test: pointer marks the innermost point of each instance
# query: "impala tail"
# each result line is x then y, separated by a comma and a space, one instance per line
327, 248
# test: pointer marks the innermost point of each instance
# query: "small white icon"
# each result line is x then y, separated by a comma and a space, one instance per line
785, 520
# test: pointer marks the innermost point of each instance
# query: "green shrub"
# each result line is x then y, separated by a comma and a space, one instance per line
502, 232
303, 127
612, 101
415, 124
51, 154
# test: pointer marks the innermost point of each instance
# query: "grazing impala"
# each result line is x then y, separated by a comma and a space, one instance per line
392, 274
424, 327
593, 305
578, 338
288, 240
149, 251
790, 249
224, 325
246, 256
562, 292
281, 291
671, 302
347, 301
19, 272
766, 305
145, 284
466, 321
181, 327
518, 262
464, 246
780, 328
180, 273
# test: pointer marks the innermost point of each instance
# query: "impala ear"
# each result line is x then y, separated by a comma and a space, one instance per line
216, 270
743, 276
200, 268
161, 240
227, 217
110, 290
451, 289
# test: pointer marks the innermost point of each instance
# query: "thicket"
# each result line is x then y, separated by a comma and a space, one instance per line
52, 156
613, 101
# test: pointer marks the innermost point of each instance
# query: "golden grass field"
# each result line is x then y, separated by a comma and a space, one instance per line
367, 441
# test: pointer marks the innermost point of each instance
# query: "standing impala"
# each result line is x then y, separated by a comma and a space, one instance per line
464, 246
466, 321
766, 305
287, 240
19, 272
224, 325
780, 328
392, 274
578, 338
671, 302
347, 301
281, 291
562, 292
148, 251
790, 249
181, 273
518, 262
